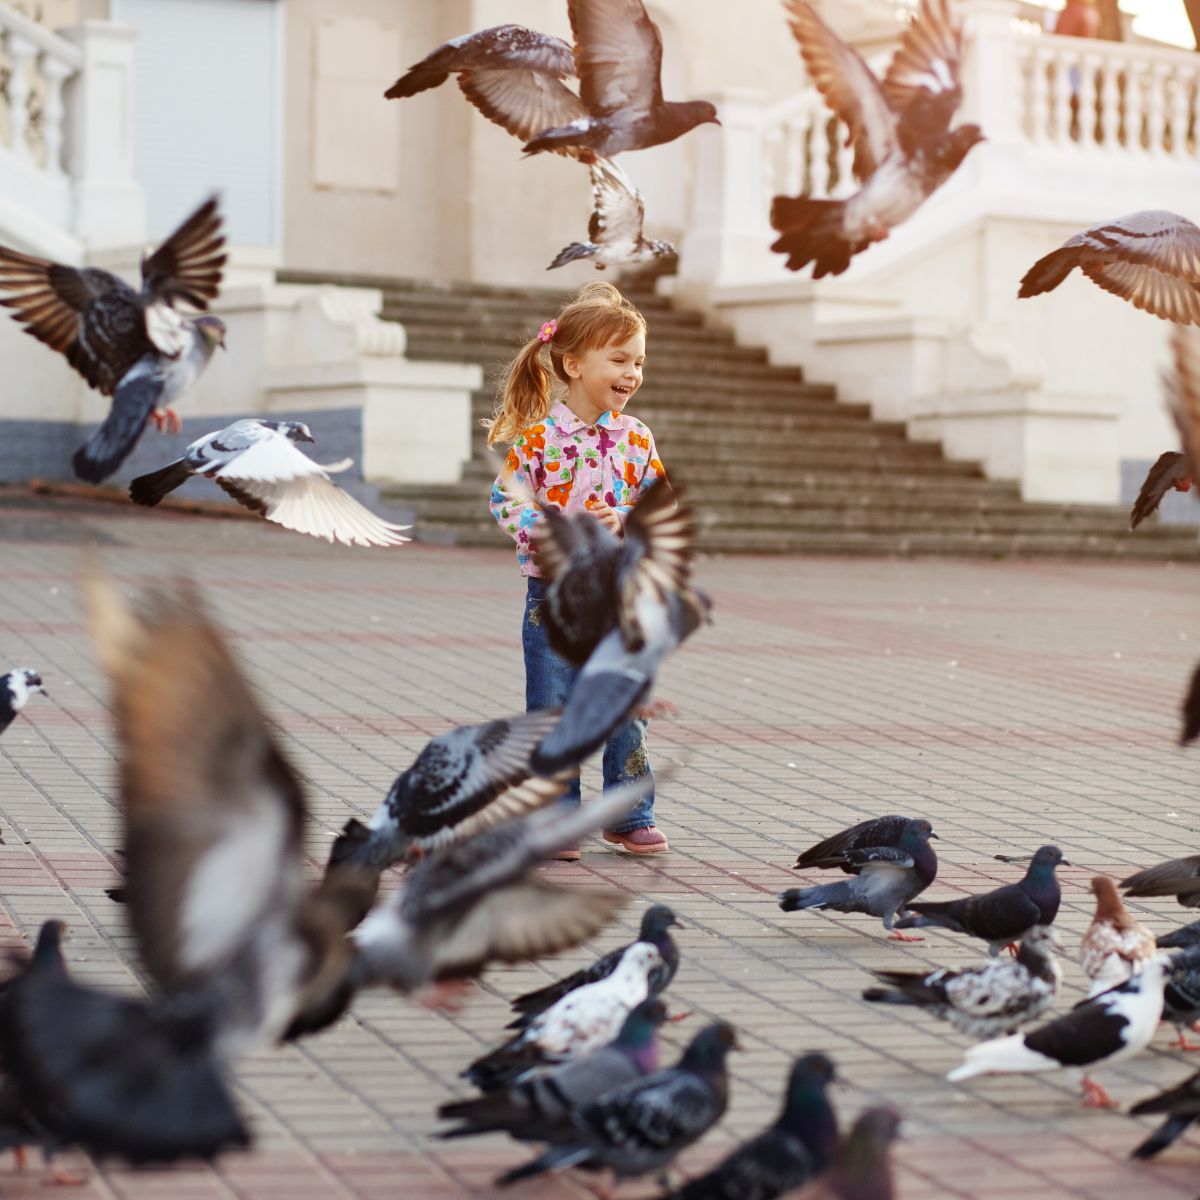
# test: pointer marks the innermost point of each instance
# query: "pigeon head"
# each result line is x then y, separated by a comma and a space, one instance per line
638, 1034
48, 950
212, 330
296, 431
1046, 859
22, 683
867, 1143
698, 112
956, 145
707, 1050
1045, 939
659, 249
656, 920
806, 1108
915, 833
1108, 903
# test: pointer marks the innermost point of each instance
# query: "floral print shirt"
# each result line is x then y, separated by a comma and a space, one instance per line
564, 461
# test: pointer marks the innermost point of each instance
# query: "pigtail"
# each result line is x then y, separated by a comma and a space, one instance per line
525, 396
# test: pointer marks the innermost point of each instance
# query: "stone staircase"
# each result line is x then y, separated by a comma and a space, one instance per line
773, 464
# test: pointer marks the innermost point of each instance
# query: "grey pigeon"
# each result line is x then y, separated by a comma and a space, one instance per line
1107, 1028
133, 346
830, 853
16, 686
904, 148
888, 878
655, 930
639, 1128
1003, 916
1151, 259
1182, 1106
1181, 997
862, 1169
511, 74
257, 463
618, 58
1178, 877
1170, 470
799, 1145
534, 1108
462, 782
615, 237
1181, 939
984, 1001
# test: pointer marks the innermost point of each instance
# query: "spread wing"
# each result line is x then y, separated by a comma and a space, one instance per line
658, 543
848, 87
618, 56
1171, 467
923, 82
524, 102
617, 207
1182, 388
188, 265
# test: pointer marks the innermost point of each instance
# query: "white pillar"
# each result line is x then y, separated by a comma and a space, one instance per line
109, 206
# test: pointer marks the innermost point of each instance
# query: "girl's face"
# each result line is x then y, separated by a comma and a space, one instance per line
605, 378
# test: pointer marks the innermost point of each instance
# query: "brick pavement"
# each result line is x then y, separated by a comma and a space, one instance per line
1010, 703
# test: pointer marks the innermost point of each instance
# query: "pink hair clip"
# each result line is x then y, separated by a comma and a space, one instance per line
547, 331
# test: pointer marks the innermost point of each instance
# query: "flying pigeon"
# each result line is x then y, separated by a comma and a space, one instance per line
133, 346
15, 689
986, 1001
1178, 877
887, 880
1106, 1029
831, 853
1181, 939
1170, 470
639, 1128
532, 1108
257, 463
862, 1168
656, 923
618, 58
1182, 1106
115, 1075
904, 148
1181, 998
799, 1145
1003, 916
580, 1022
1151, 259
1115, 945
615, 229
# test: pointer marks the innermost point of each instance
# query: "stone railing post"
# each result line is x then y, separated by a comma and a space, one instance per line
108, 204
994, 75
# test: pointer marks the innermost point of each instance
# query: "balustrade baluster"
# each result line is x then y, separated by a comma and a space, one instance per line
1110, 117
1085, 119
1156, 108
1039, 98
844, 156
1183, 82
818, 157
795, 134
53, 73
1060, 122
21, 53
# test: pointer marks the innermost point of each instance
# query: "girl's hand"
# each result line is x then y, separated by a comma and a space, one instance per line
608, 517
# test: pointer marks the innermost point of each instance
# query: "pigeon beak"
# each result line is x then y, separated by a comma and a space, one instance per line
1062, 862
934, 836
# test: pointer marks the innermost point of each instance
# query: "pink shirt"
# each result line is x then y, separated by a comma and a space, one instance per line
566, 462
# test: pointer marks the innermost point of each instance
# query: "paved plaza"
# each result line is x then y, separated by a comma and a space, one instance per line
1010, 703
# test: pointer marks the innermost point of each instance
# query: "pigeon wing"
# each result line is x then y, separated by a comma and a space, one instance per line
93, 318
1182, 388
1178, 877
1170, 467
618, 210
923, 84
877, 831
618, 56
188, 265
524, 102
848, 87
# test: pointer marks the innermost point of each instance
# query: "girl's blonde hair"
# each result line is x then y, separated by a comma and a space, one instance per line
598, 315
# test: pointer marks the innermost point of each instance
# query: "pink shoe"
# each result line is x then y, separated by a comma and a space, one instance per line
639, 841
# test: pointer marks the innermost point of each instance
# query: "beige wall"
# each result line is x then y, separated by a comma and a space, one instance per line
462, 203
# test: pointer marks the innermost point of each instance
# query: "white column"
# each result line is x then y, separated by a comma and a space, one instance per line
109, 207
22, 53
54, 71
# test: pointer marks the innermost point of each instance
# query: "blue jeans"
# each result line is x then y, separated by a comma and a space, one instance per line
548, 683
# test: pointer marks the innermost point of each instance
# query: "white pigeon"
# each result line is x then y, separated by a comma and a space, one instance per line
15, 689
257, 463
1102, 1030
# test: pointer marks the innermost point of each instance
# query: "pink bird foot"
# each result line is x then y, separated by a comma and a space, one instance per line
1094, 1096
174, 423
897, 936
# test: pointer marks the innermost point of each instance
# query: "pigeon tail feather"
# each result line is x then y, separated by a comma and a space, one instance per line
572, 252
420, 79
148, 490
133, 402
1048, 272
810, 231
1163, 1136
555, 1159
825, 895
1002, 1056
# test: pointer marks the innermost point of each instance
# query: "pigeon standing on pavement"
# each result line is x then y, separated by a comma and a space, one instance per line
133, 346
862, 1169
986, 1001
1182, 1106
1106, 1029
638, 1129
257, 463
615, 237
16, 686
655, 931
1003, 916
1151, 259
887, 879
533, 1109
1170, 470
904, 148
1181, 997
1115, 945
618, 58
799, 1145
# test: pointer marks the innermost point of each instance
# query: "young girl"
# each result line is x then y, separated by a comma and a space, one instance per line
583, 454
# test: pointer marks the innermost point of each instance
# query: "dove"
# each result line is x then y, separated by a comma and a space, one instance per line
257, 463
994, 998
531, 1109
134, 346
1003, 916
799, 1145
656, 923
1182, 1106
639, 1128
615, 236
1181, 939
830, 853
16, 686
618, 58
1170, 470
887, 880
580, 1022
1105, 1029
1151, 259
1115, 945
862, 1168
904, 148
1181, 997
1178, 877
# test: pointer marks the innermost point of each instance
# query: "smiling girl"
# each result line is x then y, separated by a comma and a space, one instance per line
562, 409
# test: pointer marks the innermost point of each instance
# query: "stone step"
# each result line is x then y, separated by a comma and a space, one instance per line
801, 400
421, 322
